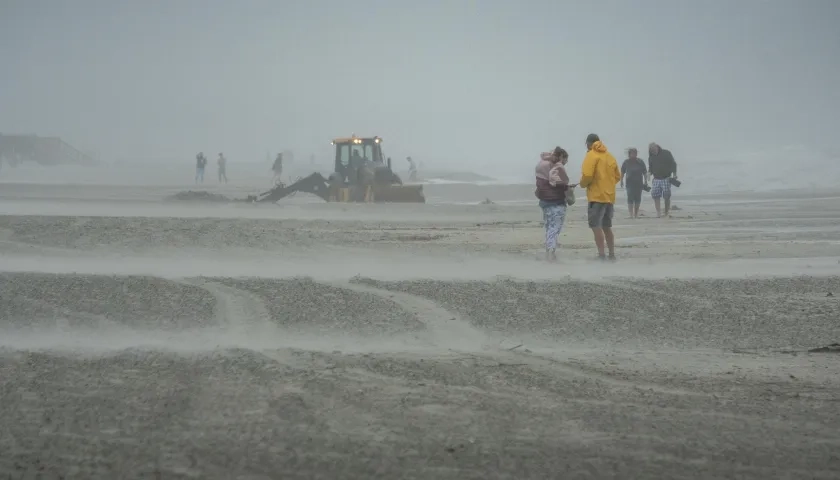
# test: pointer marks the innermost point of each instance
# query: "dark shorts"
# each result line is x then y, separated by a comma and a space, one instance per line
600, 215
634, 194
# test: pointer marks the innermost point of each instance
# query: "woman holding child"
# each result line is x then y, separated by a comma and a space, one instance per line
552, 188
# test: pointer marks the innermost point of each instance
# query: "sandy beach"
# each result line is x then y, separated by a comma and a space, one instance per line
145, 338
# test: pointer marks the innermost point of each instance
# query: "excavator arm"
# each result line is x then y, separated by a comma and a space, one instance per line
315, 184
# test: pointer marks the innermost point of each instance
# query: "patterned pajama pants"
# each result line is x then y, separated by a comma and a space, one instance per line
660, 188
553, 216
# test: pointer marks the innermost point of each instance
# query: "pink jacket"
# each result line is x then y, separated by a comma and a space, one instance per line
552, 180
543, 169
557, 175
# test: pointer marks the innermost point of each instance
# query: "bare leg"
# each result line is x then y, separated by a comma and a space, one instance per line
608, 236
667, 205
658, 208
599, 240
630, 208
636, 210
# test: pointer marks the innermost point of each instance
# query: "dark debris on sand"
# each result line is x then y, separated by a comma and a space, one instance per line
198, 196
833, 348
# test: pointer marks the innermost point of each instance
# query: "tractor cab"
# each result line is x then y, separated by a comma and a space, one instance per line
352, 153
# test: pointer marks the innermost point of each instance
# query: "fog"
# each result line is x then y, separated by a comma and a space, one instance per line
481, 86
151, 332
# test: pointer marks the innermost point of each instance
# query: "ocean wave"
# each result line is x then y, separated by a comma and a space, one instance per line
792, 167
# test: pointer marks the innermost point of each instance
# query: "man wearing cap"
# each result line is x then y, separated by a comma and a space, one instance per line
662, 168
599, 176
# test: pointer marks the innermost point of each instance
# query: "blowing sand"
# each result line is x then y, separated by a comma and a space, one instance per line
306, 340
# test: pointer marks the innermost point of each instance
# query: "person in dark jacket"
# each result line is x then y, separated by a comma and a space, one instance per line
200, 163
552, 184
634, 176
662, 167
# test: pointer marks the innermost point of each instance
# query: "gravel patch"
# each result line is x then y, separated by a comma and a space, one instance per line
138, 234
304, 304
150, 233
50, 300
668, 314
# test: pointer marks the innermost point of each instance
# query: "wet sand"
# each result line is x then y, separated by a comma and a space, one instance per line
144, 339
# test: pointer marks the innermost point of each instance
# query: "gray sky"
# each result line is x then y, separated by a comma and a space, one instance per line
486, 83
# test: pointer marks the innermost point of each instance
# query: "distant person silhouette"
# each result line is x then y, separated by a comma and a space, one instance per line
200, 163
277, 168
222, 163
412, 169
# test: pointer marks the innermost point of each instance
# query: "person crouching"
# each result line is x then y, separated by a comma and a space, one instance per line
552, 184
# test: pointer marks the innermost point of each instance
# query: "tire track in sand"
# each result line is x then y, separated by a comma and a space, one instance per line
244, 314
245, 320
236, 310
451, 332
446, 329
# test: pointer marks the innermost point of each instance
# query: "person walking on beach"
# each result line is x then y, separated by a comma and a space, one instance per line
634, 176
663, 168
222, 164
200, 163
599, 175
412, 170
552, 185
277, 168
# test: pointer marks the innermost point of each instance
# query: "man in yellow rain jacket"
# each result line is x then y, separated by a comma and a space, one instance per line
600, 173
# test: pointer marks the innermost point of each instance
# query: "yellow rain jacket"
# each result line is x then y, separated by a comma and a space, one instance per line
600, 173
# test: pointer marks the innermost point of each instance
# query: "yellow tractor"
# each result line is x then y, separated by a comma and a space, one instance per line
361, 174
